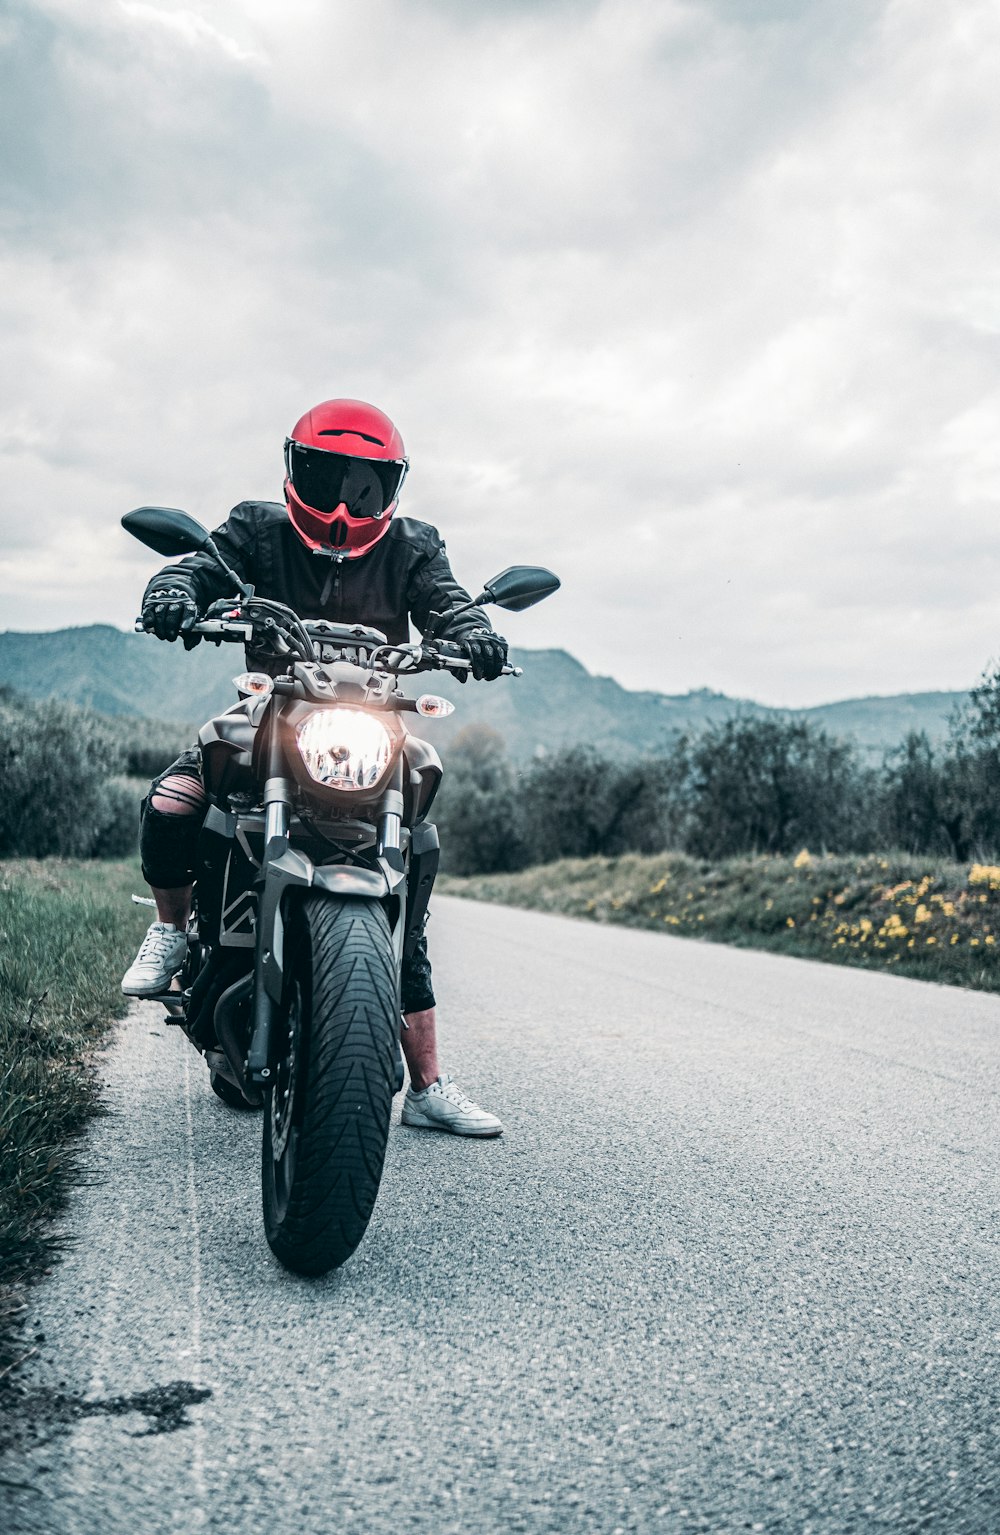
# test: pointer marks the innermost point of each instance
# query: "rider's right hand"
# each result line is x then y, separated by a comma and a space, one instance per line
169, 612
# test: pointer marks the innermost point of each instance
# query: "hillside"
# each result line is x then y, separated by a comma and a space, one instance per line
557, 702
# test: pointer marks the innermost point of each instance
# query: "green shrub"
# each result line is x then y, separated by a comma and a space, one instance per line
60, 788
67, 931
476, 810
756, 785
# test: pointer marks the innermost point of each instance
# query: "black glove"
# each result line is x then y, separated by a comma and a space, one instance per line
169, 612
487, 652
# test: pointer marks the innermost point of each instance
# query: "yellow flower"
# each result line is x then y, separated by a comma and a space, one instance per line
931, 938
985, 874
922, 914
990, 938
802, 860
973, 943
789, 921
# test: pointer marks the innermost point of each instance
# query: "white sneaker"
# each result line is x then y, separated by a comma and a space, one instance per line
157, 962
444, 1106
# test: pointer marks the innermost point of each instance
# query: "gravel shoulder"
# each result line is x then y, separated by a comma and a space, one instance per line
734, 1265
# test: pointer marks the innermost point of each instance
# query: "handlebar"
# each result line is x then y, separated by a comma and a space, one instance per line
443, 655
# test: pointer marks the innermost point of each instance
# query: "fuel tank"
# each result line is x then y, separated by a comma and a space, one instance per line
226, 751
421, 778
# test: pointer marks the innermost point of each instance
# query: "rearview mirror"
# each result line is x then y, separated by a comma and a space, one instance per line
519, 587
166, 529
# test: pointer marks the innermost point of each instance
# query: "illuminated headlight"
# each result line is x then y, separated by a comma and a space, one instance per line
344, 748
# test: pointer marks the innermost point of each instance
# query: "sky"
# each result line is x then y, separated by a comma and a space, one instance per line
696, 302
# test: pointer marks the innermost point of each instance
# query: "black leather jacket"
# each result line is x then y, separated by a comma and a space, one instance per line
406, 575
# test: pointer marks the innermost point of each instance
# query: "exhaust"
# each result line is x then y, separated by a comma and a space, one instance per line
228, 1033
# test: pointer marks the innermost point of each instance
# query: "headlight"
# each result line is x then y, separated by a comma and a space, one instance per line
344, 748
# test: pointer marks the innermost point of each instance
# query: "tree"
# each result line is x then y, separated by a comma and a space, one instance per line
573, 804
771, 786
476, 810
914, 798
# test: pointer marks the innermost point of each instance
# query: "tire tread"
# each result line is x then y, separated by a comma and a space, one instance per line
350, 1057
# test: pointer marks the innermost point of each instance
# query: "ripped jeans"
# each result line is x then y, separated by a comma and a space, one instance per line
168, 844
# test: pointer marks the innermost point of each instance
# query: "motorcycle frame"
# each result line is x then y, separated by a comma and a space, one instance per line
405, 866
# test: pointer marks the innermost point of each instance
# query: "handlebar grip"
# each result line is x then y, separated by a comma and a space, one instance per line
223, 629
211, 628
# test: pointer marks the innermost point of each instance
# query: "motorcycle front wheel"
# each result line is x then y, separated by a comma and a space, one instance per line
326, 1119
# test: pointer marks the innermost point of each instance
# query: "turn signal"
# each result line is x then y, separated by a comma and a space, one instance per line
253, 684
434, 708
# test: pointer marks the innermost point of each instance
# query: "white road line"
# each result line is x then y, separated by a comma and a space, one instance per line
198, 1514
85, 1457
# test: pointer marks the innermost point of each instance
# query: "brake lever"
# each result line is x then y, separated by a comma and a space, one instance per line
223, 607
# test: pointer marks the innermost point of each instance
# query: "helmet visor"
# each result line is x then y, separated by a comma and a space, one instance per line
366, 486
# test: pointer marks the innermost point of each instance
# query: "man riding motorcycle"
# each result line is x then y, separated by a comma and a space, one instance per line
333, 550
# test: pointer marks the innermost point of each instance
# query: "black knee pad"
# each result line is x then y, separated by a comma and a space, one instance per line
417, 985
168, 845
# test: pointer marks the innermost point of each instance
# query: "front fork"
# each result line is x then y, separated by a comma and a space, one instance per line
283, 868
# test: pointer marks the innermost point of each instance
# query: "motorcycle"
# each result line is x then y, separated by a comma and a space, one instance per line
315, 866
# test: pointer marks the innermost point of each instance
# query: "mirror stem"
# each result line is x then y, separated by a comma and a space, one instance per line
438, 618
241, 586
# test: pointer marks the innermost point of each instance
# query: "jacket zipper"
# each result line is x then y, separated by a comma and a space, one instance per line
331, 586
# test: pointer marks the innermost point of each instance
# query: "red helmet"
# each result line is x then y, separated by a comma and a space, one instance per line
344, 466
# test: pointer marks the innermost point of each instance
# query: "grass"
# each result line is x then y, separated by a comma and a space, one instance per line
67, 932
938, 922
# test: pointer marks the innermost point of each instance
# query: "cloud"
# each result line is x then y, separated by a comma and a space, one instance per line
192, 28
696, 302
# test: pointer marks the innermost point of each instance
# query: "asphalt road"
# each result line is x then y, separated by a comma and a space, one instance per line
733, 1266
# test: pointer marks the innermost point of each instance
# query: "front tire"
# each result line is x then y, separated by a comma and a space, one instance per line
326, 1119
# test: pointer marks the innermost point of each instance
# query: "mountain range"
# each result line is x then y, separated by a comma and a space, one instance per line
556, 703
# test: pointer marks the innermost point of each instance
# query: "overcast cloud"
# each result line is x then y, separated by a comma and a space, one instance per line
698, 303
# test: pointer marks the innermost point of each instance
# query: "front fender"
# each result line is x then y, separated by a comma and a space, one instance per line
284, 872
295, 870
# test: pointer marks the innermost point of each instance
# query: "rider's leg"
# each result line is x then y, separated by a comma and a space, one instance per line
168, 839
419, 1043
433, 1101
419, 1038
177, 794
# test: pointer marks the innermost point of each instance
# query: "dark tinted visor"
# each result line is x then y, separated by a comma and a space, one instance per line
366, 486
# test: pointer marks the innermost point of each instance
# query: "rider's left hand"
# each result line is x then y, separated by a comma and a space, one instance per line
487, 653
